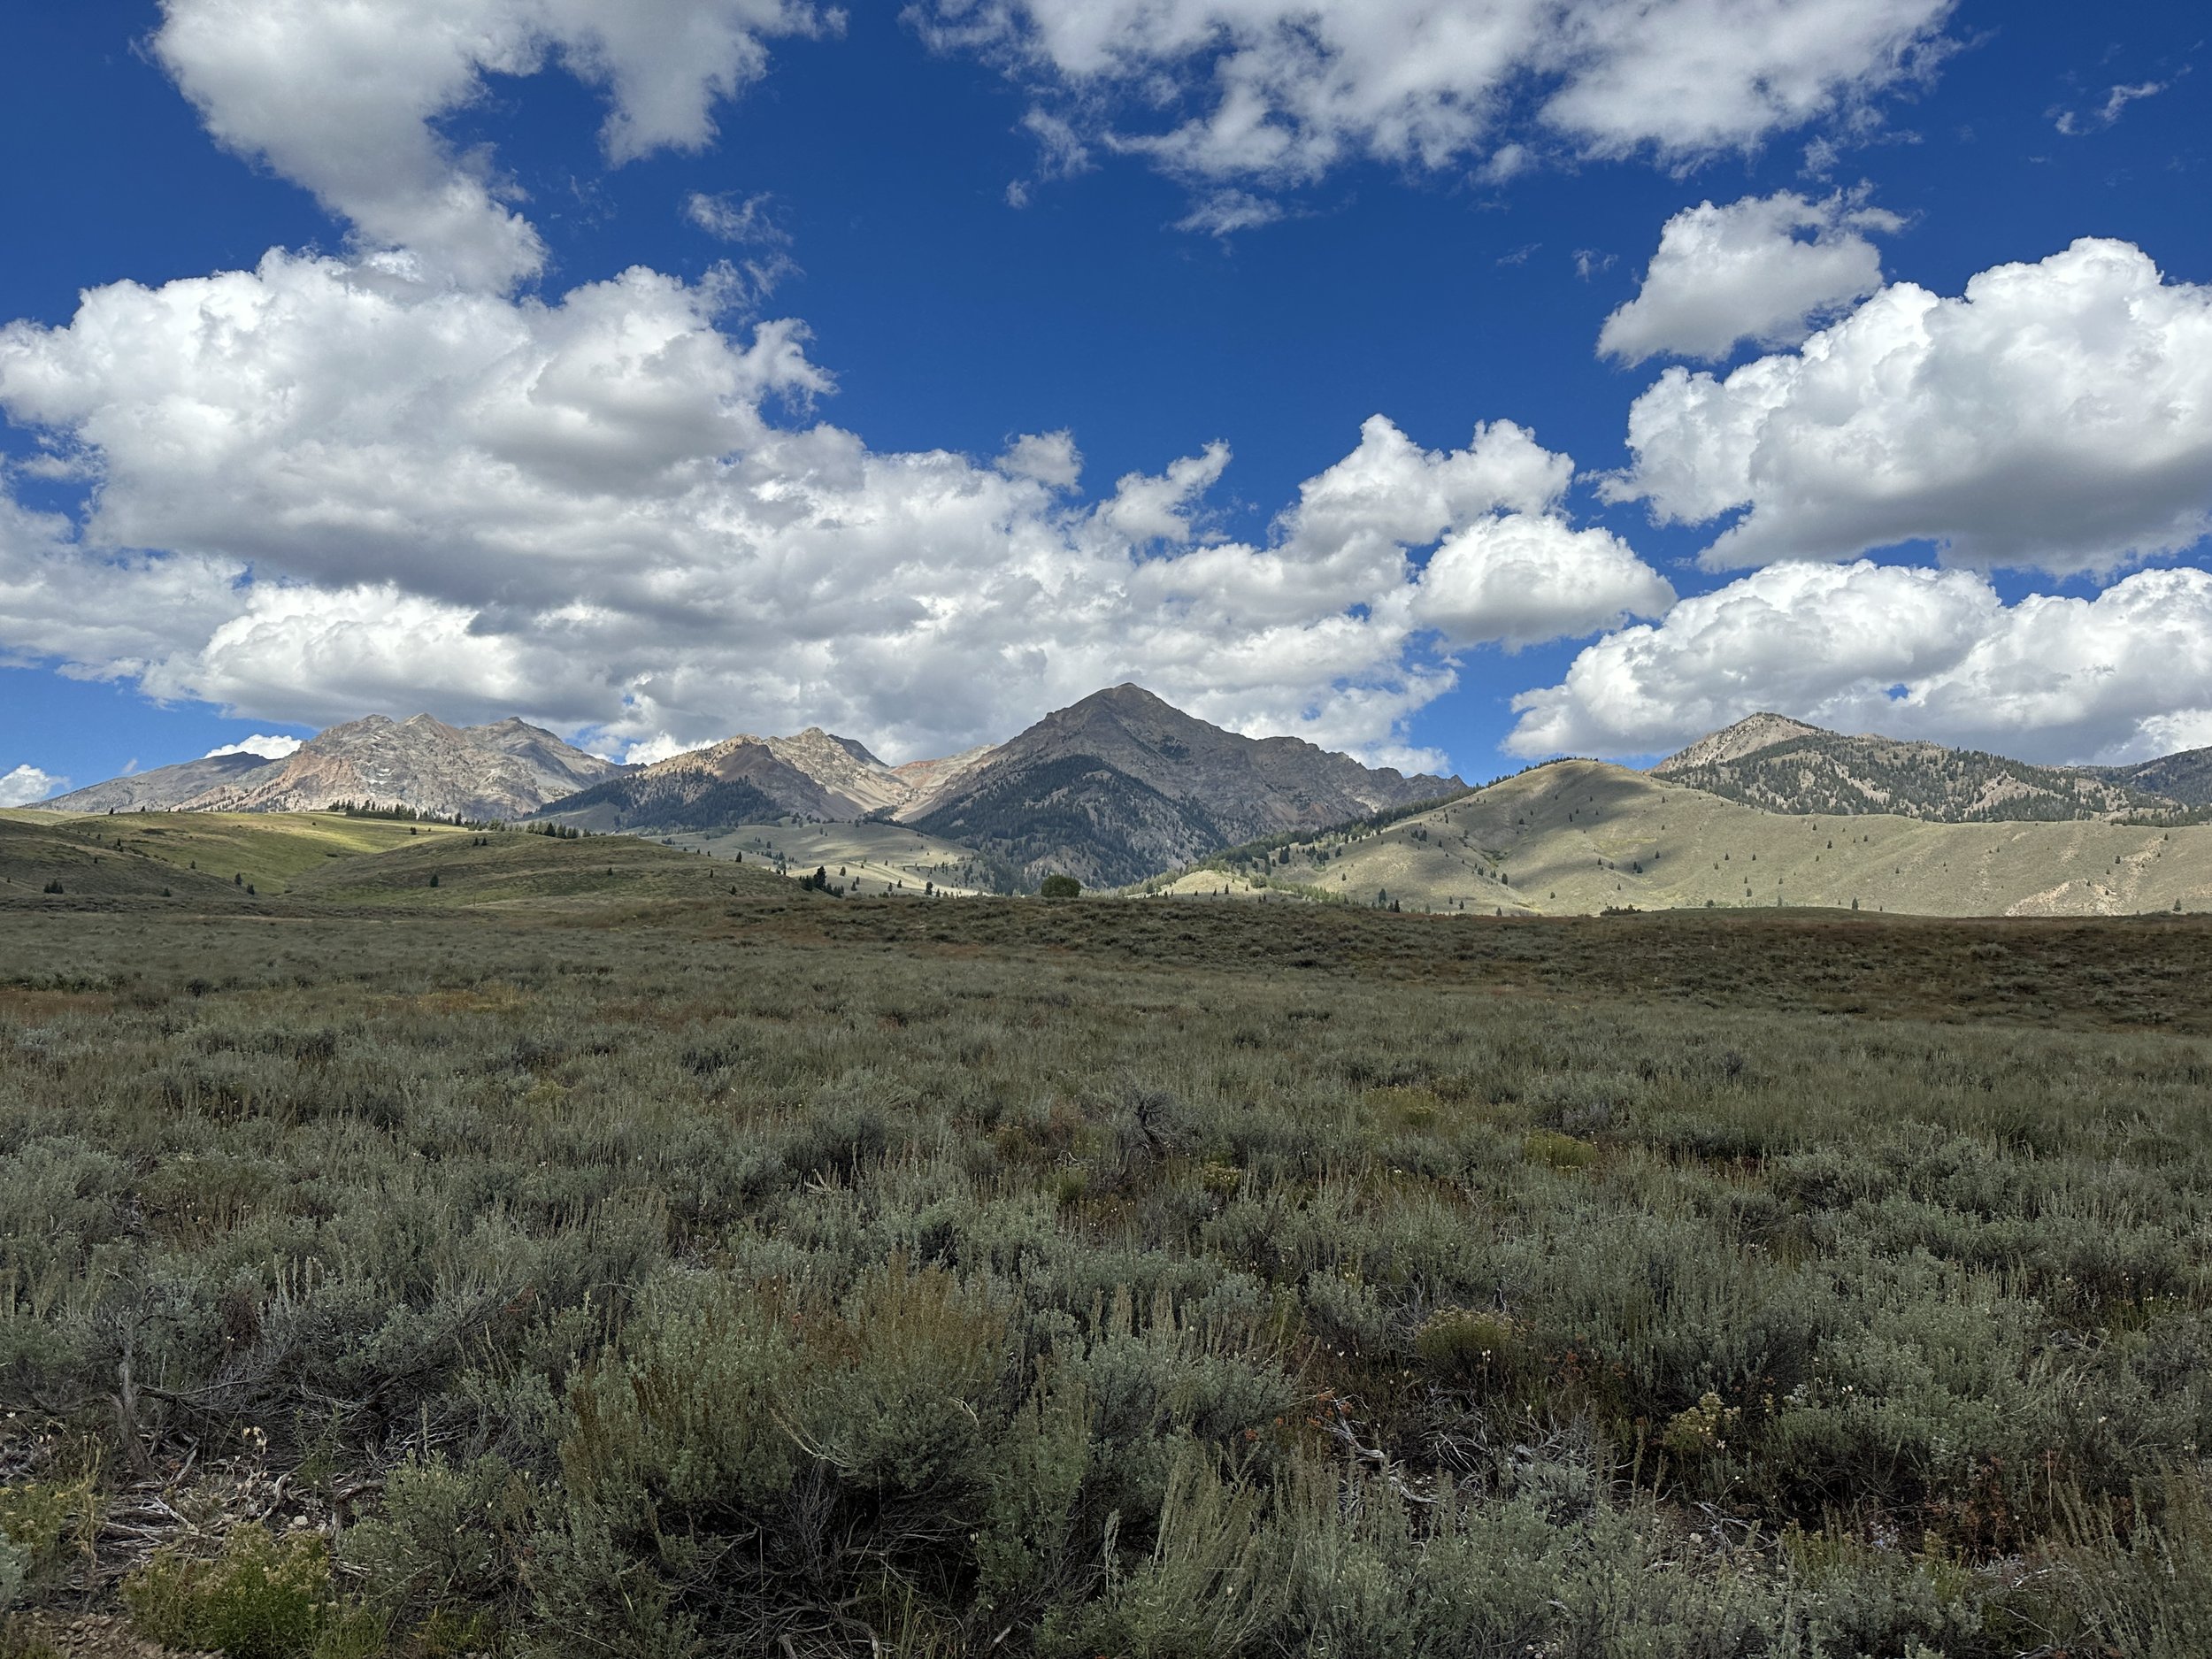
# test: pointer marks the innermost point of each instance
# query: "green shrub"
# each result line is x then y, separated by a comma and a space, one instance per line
1855, 1597
1558, 1150
1220, 1179
42, 1523
19, 1641
262, 1598
1482, 1346
1060, 887
1210, 1587
1704, 1427
443, 1549
2146, 1592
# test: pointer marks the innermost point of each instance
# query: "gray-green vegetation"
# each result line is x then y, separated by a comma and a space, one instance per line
785, 1275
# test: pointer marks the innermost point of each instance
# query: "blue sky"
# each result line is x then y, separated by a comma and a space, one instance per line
404, 466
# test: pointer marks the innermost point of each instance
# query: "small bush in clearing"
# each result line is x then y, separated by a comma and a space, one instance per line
262, 1598
1472, 1347
1560, 1152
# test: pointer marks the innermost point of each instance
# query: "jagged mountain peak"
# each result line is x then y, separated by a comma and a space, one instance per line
1122, 783
1128, 695
1122, 703
1109, 789
815, 739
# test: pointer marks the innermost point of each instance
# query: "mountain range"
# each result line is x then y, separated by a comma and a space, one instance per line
1578, 837
747, 779
1123, 786
1778, 765
506, 770
1110, 790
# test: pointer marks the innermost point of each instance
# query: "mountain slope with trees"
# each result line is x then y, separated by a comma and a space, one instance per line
1579, 837
1783, 765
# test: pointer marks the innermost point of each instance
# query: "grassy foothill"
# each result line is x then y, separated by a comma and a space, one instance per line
520, 1267
1578, 837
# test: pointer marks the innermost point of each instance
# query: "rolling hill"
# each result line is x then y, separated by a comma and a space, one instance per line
515, 870
869, 855
208, 856
226, 860
1578, 837
59, 861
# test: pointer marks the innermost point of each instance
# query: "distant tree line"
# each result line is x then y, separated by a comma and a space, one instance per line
410, 815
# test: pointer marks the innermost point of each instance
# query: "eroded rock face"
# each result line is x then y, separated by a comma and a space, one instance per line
506, 770
929, 781
164, 789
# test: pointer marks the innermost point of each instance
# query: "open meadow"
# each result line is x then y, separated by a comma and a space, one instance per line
684, 1265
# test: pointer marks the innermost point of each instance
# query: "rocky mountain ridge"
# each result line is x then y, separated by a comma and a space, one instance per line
748, 779
163, 789
1124, 784
508, 769
1109, 790
1778, 765
2186, 777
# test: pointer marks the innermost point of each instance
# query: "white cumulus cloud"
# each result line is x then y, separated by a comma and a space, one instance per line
266, 746
344, 98
605, 511
1519, 581
1050, 459
1281, 91
1760, 269
26, 784
1904, 651
2056, 415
